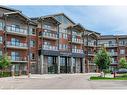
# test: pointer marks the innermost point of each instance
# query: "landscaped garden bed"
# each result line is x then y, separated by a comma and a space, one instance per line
118, 77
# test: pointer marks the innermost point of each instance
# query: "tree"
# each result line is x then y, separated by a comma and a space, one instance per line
122, 63
102, 59
4, 62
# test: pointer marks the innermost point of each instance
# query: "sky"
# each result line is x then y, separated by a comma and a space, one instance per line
107, 20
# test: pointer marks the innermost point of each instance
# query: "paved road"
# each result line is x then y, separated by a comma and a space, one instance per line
61, 81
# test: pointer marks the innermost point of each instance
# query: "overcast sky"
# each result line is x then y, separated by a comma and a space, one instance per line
109, 20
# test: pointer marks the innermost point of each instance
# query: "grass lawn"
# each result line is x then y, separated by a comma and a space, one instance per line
121, 77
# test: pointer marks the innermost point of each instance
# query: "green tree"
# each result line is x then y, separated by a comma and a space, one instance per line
102, 59
4, 62
122, 63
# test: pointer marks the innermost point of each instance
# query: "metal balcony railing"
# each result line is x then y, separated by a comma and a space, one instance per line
113, 53
49, 47
77, 40
14, 44
12, 29
50, 35
15, 58
77, 50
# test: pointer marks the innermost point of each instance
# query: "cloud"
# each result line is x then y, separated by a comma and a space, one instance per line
103, 19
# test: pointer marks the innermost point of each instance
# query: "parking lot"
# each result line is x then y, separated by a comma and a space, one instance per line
60, 81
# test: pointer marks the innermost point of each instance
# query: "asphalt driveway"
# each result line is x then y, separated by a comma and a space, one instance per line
60, 81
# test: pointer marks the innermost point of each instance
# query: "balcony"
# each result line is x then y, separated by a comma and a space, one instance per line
18, 59
113, 53
17, 45
16, 31
77, 51
49, 28
77, 41
49, 47
90, 53
110, 45
90, 44
49, 35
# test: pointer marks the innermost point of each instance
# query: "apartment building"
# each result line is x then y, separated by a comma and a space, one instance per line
90, 48
53, 44
60, 44
116, 45
15, 39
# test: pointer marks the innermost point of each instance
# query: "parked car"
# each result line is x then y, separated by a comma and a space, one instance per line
120, 71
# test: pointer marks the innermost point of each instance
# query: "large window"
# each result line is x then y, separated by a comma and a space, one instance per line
15, 42
50, 60
62, 61
15, 56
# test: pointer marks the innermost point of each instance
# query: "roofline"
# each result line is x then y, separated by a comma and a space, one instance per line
65, 16
9, 13
8, 8
93, 31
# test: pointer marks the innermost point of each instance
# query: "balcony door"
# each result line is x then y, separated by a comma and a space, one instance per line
15, 56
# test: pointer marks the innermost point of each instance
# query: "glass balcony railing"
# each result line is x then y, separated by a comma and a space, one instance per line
16, 30
18, 45
15, 58
77, 40
50, 35
77, 50
49, 47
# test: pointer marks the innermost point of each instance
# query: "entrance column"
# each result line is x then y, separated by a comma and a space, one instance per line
72, 62
42, 63
76, 66
83, 64
13, 70
58, 71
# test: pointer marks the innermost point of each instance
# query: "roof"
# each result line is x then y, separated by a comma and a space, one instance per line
8, 8
65, 16
10, 13
113, 36
53, 15
93, 32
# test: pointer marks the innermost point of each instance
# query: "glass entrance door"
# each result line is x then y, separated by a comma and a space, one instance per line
52, 65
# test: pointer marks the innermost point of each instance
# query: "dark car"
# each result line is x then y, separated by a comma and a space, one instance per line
120, 71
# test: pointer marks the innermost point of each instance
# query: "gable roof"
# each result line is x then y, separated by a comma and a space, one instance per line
64, 16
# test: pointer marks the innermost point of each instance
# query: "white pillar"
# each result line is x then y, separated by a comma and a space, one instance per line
72, 62
58, 65
42, 63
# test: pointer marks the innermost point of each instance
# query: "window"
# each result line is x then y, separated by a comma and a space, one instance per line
122, 51
15, 28
32, 43
65, 36
15, 56
62, 61
0, 39
15, 42
50, 60
47, 26
33, 31
32, 56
